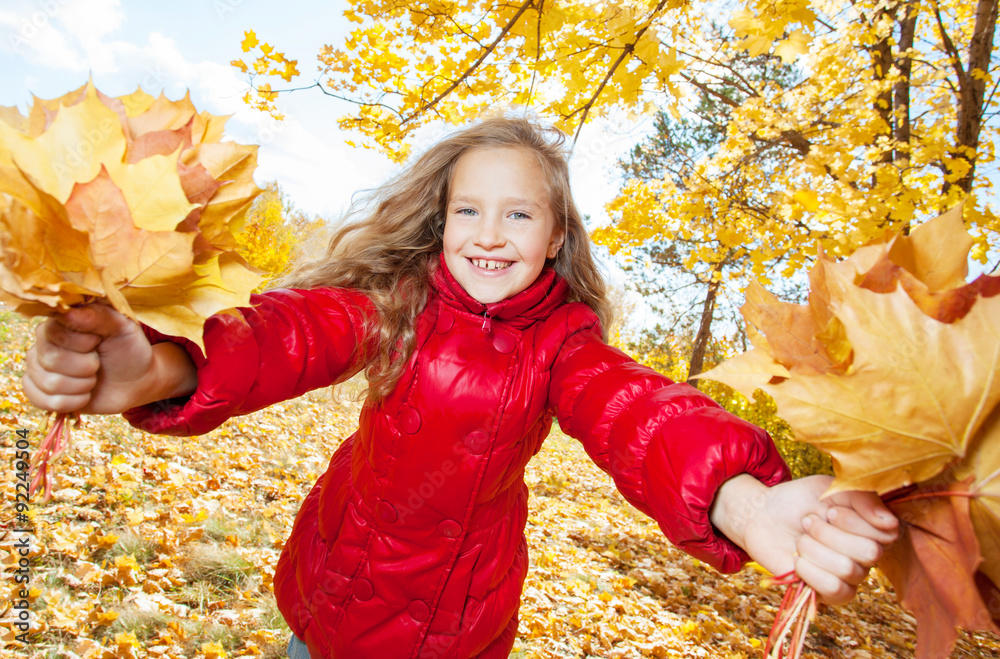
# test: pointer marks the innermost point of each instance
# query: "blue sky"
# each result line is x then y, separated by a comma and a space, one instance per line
49, 47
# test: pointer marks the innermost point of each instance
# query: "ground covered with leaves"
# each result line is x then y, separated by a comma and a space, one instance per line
165, 547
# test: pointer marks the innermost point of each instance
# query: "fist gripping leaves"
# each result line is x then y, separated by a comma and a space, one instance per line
130, 200
892, 368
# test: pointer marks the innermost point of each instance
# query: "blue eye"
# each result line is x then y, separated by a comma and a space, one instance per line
465, 211
518, 215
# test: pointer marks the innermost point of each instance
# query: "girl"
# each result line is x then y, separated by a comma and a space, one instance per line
468, 295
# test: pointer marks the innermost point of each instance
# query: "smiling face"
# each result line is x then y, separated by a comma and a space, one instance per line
499, 225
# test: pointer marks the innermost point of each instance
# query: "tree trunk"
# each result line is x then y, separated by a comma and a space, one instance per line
971, 91
881, 53
901, 93
901, 96
704, 333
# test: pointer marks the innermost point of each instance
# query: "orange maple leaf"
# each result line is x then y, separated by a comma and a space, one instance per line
933, 567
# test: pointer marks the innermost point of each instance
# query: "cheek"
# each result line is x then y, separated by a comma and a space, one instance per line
451, 241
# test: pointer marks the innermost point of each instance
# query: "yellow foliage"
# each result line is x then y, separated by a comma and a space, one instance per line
840, 174
272, 231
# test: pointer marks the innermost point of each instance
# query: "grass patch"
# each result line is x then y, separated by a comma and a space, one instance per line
270, 617
144, 624
255, 532
197, 595
131, 543
220, 566
228, 637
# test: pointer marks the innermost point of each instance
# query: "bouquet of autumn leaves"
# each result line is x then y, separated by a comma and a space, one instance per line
893, 368
131, 201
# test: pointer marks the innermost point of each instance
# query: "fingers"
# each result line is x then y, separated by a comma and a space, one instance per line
96, 318
834, 560
71, 398
856, 523
61, 368
53, 337
852, 547
57, 379
829, 588
870, 507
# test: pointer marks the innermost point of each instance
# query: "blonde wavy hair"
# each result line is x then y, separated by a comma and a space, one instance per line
389, 242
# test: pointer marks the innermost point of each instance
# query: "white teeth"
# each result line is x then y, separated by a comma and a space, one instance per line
491, 265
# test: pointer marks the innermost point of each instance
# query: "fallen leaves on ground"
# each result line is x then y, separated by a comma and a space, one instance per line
162, 547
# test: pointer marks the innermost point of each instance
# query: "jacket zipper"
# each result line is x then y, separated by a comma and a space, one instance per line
487, 325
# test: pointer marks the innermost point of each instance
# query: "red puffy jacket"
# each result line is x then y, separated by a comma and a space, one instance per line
412, 542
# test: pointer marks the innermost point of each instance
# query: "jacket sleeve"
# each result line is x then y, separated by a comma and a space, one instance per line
667, 446
289, 342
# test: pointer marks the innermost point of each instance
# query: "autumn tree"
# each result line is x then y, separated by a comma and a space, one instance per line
273, 230
684, 268
893, 120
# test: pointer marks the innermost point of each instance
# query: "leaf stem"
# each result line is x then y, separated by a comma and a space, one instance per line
53, 445
798, 608
932, 495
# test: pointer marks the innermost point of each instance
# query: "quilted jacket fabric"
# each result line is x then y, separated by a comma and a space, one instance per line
412, 542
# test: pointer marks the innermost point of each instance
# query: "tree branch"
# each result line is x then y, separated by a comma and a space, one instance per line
472, 67
614, 67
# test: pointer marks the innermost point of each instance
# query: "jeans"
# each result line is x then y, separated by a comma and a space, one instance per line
297, 649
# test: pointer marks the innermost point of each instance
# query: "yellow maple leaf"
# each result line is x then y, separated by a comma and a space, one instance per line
126, 253
152, 189
790, 48
71, 150
808, 199
291, 70
249, 41
937, 254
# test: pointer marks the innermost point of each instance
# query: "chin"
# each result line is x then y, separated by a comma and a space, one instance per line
488, 298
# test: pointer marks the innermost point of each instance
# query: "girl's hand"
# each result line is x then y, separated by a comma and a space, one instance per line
831, 543
94, 360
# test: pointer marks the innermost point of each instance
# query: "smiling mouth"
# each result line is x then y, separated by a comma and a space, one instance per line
487, 264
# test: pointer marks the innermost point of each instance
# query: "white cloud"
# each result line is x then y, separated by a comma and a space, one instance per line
62, 34
313, 165
31, 33
90, 20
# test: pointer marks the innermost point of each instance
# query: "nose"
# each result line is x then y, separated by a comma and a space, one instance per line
490, 234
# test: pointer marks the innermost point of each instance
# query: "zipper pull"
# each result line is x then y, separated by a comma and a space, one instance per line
487, 325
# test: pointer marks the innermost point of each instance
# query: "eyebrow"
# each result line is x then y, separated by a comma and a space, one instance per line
512, 201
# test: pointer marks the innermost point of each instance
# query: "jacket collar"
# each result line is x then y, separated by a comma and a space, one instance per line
534, 303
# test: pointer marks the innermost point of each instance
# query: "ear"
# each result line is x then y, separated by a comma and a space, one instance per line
558, 236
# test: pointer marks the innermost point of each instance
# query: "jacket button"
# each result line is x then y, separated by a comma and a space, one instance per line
419, 610
362, 590
444, 322
409, 421
386, 512
449, 528
476, 442
503, 342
